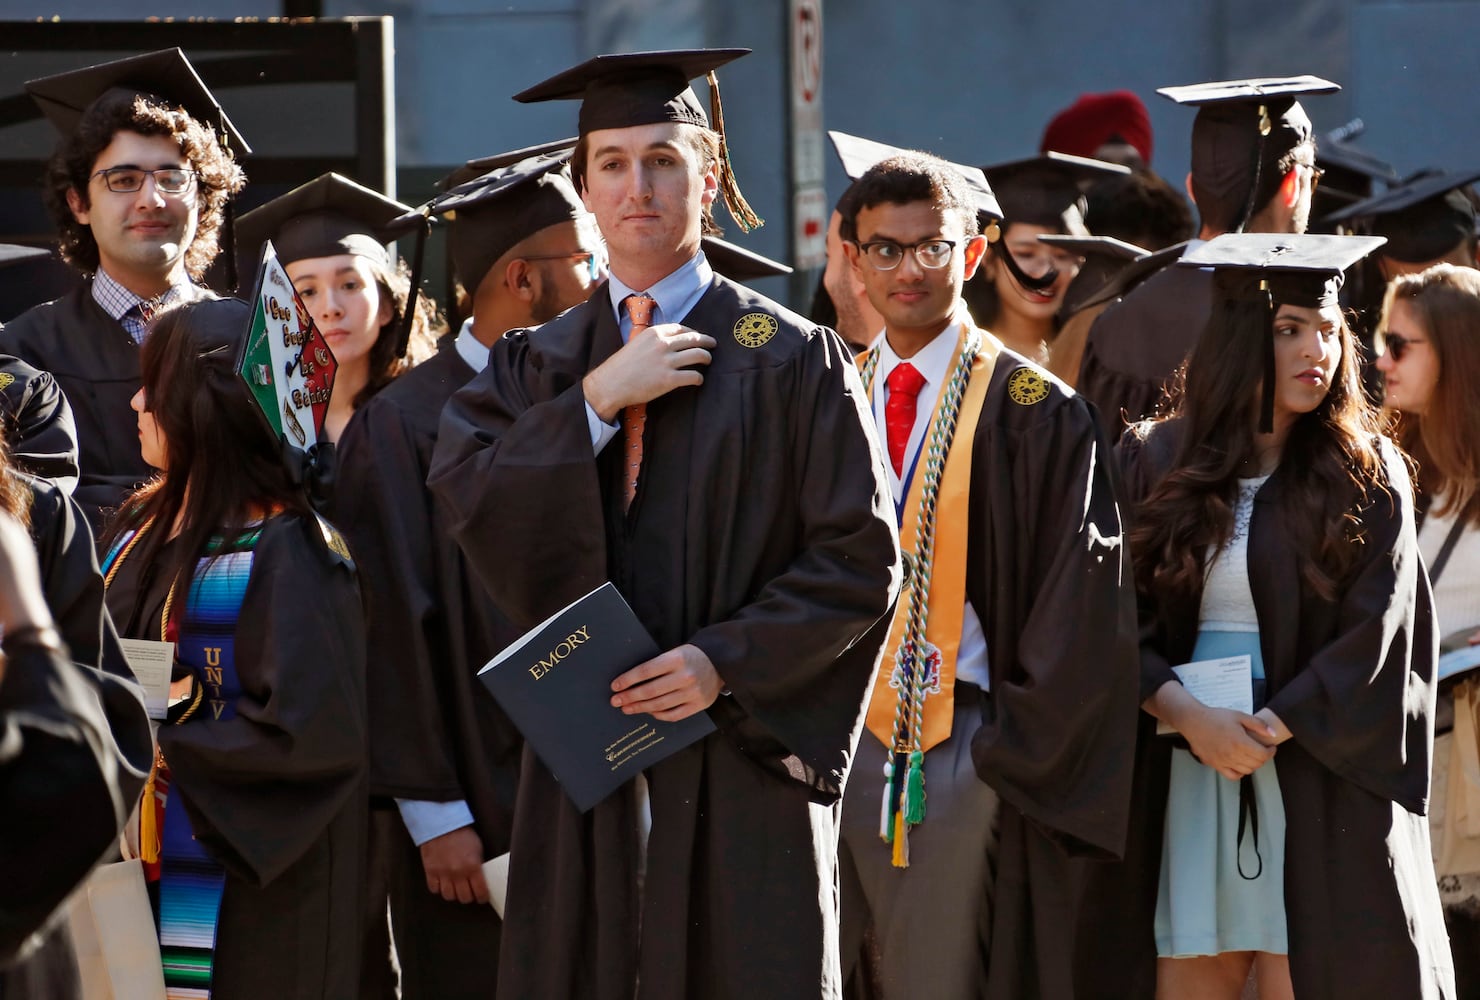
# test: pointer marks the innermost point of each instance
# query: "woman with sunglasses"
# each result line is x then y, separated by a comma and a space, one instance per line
252, 825
1271, 530
1428, 342
330, 237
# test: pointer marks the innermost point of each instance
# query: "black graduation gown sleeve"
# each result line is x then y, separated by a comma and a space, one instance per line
780, 652
1362, 702
260, 788
436, 733
75, 744
39, 427
1058, 728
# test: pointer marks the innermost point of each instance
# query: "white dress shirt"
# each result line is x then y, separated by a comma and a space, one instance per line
934, 362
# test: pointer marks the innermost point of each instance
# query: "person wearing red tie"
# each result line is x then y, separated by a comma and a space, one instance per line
744, 518
1002, 720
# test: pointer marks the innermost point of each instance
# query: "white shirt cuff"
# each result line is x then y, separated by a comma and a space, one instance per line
429, 820
601, 432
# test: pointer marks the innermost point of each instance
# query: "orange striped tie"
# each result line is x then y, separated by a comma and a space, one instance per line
634, 418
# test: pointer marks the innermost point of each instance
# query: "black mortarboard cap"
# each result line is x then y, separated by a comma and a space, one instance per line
858, 155
1423, 218
1242, 130
1295, 269
1350, 175
474, 169
1272, 269
166, 75
643, 88
740, 264
1105, 257
14, 253
492, 213
1048, 190
329, 215
634, 88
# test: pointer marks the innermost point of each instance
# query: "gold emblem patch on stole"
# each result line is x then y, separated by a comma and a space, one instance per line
755, 329
6, 379
1027, 387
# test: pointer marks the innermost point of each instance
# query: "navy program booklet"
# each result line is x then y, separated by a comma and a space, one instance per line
555, 684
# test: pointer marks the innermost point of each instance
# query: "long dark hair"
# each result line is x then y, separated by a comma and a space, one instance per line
1329, 466
225, 464
385, 367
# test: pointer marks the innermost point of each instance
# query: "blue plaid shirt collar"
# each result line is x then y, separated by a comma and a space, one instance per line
120, 303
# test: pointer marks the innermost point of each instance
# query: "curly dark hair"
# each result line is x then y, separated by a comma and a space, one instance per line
1331, 460
384, 365
911, 176
217, 175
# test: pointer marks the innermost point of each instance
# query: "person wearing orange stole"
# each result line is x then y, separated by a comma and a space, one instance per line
1002, 722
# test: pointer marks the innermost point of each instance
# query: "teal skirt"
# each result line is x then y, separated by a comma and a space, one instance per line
1205, 905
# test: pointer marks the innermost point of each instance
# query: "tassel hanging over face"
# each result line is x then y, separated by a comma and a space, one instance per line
739, 208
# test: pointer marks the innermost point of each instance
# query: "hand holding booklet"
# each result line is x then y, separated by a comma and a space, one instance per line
555, 683
1222, 683
1456, 655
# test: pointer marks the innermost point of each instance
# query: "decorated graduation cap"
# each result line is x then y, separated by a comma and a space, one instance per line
1048, 190
1242, 130
646, 88
165, 76
1105, 257
286, 363
859, 155
520, 193
329, 216
1274, 269
740, 264
1423, 218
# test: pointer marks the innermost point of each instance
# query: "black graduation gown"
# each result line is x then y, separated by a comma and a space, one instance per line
1048, 572
277, 794
436, 733
763, 534
96, 362
1138, 343
1353, 679
75, 748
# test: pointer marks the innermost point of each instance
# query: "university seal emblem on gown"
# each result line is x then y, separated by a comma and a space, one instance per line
755, 329
1027, 387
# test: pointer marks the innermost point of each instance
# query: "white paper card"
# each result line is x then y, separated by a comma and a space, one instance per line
496, 874
1224, 683
151, 663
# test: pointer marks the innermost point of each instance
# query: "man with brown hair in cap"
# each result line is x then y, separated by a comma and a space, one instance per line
138, 189
525, 249
743, 517
1253, 170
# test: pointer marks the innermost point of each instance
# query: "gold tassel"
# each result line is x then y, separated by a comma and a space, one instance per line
740, 209
149, 839
901, 841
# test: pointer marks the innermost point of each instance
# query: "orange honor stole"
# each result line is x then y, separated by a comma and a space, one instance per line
911, 707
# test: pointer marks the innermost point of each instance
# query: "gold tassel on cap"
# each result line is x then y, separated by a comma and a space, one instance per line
739, 208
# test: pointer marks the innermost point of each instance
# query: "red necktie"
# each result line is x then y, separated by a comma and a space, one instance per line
634, 418
904, 385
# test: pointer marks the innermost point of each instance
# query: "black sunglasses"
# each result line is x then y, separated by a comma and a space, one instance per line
1396, 345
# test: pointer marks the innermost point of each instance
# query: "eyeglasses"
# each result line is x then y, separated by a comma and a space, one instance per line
886, 255
167, 180
1396, 345
593, 261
